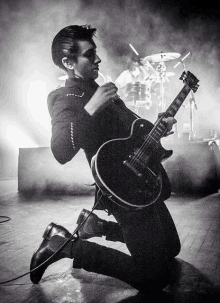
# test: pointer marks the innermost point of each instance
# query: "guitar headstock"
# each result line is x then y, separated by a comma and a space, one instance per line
190, 80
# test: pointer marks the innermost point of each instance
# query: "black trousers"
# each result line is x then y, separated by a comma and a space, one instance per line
152, 240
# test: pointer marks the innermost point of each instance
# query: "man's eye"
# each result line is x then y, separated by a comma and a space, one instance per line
90, 55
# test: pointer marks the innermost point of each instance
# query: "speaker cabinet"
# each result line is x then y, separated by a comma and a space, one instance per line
39, 171
194, 167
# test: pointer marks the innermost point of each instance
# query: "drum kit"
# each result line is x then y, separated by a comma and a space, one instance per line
138, 95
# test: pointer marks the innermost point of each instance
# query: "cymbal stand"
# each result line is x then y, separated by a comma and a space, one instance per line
161, 68
192, 102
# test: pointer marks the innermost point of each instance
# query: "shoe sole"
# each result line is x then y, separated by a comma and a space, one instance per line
82, 216
82, 232
47, 230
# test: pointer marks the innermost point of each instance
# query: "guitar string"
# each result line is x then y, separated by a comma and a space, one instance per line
142, 150
150, 138
169, 110
174, 106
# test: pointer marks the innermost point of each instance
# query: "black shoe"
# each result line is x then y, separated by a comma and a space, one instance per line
54, 237
55, 230
93, 226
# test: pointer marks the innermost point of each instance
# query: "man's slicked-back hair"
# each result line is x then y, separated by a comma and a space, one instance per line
65, 42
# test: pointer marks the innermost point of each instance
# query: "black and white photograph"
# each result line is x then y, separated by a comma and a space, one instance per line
110, 151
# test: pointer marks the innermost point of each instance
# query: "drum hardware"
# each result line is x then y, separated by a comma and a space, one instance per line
162, 75
181, 60
134, 50
161, 68
169, 74
157, 79
149, 67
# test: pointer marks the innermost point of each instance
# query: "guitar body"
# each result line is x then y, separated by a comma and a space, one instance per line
125, 173
128, 170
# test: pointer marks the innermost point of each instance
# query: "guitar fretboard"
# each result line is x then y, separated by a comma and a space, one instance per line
159, 129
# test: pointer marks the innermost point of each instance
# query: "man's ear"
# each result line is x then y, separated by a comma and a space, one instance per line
67, 63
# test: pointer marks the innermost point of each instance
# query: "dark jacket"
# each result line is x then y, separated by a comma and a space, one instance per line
73, 128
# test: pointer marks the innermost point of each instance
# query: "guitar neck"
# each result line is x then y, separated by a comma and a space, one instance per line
177, 102
159, 128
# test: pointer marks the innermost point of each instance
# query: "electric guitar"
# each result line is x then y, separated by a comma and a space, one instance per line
128, 170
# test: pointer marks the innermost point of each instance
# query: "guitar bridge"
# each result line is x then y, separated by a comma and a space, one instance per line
132, 168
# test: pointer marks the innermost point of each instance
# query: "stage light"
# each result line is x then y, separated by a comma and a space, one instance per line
37, 93
17, 138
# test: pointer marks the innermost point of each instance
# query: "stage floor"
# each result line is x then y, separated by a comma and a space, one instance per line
197, 220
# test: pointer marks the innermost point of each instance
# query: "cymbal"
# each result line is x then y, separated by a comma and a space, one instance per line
161, 57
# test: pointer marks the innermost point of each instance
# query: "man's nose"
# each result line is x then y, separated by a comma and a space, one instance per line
97, 59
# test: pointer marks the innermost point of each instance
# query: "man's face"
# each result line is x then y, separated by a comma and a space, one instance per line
134, 65
87, 64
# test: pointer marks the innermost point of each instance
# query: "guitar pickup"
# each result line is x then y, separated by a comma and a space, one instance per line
132, 168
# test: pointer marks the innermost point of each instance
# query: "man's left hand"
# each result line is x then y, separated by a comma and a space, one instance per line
169, 122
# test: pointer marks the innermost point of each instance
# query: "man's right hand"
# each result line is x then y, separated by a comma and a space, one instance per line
104, 95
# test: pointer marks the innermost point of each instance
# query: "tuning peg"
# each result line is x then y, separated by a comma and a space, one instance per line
195, 87
183, 76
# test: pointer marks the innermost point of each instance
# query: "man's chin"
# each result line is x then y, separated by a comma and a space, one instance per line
95, 74
92, 76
